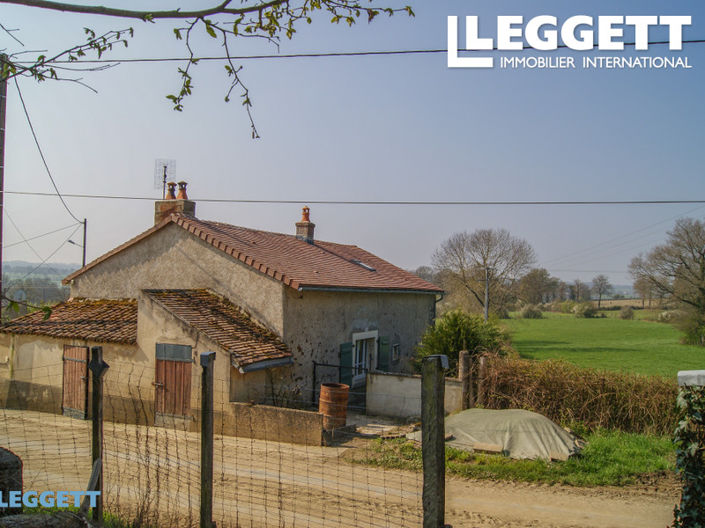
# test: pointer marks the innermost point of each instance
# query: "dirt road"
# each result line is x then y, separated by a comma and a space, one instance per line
153, 474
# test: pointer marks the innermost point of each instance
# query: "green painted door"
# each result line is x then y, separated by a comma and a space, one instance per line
346, 363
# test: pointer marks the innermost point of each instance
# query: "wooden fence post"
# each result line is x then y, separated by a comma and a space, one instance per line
481, 381
313, 386
433, 440
98, 368
465, 379
207, 361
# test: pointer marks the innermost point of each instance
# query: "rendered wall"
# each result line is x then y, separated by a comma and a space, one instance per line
399, 395
31, 369
317, 323
276, 424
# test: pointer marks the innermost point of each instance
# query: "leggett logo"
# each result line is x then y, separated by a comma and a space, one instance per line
577, 33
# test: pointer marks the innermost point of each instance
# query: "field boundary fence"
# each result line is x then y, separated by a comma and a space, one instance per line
225, 463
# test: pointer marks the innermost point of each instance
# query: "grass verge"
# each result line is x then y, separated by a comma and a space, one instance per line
109, 520
611, 458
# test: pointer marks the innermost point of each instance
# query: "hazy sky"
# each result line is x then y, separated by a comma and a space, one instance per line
367, 128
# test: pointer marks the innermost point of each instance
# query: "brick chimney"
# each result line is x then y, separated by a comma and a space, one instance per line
304, 228
173, 203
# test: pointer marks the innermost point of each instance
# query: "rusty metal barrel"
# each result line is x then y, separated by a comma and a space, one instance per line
333, 405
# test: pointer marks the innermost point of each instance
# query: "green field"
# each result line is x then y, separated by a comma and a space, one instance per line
639, 346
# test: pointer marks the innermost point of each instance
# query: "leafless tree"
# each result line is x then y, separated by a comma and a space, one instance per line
601, 286
485, 263
579, 291
676, 269
644, 289
538, 286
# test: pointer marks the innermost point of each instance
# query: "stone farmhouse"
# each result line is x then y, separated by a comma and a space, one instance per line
269, 305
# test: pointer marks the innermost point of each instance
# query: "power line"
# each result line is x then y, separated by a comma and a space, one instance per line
24, 240
317, 55
618, 239
51, 255
586, 271
41, 154
38, 236
377, 202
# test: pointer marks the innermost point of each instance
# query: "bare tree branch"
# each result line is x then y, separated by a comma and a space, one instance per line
221, 8
268, 20
10, 32
676, 269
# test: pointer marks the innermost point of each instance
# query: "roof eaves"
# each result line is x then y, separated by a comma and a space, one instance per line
305, 287
259, 365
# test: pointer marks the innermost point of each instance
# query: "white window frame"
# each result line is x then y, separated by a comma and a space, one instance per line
359, 377
395, 352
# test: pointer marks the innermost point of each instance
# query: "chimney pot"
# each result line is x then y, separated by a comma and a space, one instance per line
305, 228
173, 203
182, 191
170, 193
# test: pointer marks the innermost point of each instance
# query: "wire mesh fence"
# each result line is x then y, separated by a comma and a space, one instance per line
272, 466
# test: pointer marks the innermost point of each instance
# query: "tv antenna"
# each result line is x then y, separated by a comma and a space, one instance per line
164, 169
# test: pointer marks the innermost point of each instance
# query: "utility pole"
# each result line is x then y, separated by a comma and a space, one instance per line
487, 293
3, 110
85, 226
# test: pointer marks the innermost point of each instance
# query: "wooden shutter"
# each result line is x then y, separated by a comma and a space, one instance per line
173, 379
346, 363
383, 355
75, 381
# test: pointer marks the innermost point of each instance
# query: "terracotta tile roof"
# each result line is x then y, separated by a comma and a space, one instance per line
296, 263
223, 322
104, 321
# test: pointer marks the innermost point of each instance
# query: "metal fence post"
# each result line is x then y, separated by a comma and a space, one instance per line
207, 361
98, 368
433, 440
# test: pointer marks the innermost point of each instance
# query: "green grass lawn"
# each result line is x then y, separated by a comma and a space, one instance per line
610, 458
638, 346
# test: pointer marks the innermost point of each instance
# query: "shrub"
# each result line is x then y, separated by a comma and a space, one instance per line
456, 331
585, 309
501, 313
569, 394
690, 443
530, 311
692, 325
627, 312
670, 316
567, 306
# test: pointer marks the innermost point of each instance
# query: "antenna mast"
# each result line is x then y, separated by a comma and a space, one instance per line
163, 170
